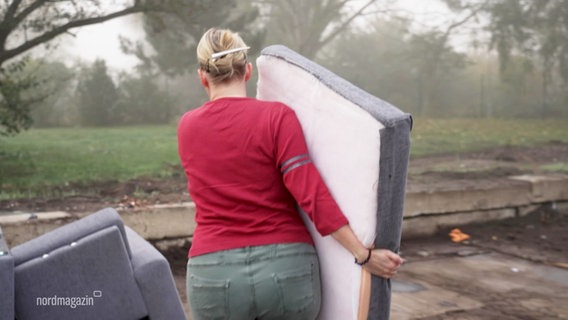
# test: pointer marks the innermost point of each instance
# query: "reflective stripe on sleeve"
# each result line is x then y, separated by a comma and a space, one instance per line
294, 163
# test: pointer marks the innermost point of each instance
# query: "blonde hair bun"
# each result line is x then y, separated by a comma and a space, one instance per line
222, 54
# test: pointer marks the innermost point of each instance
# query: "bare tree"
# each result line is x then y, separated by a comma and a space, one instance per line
440, 53
27, 24
307, 26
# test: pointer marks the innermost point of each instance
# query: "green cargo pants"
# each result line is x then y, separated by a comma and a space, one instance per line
280, 281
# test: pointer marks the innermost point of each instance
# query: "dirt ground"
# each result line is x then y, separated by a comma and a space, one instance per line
539, 237
525, 244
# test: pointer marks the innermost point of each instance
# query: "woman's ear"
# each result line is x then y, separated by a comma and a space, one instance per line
203, 78
248, 71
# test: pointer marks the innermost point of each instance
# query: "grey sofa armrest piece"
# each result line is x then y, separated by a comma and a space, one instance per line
6, 280
68, 233
155, 279
100, 261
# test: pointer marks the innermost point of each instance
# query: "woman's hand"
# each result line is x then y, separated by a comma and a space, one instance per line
383, 263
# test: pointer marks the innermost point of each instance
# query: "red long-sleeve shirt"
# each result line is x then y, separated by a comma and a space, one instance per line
247, 165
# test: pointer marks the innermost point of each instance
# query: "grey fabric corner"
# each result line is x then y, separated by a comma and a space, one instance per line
68, 233
154, 278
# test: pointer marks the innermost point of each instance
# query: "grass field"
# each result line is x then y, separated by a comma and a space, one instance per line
43, 158
437, 136
40, 159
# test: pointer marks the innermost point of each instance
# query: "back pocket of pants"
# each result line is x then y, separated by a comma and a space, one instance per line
209, 299
296, 288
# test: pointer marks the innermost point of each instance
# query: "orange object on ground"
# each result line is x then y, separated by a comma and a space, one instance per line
458, 236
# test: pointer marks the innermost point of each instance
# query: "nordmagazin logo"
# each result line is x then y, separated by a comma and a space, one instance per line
70, 302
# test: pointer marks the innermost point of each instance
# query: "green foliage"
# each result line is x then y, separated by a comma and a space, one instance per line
142, 101
26, 25
56, 85
382, 68
173, 33
532, 28
97, 96
93, 99
309, 26
535, 32
14, 106
435, 64
416, 72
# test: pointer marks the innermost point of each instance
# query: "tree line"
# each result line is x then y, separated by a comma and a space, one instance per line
88, 95
514, 63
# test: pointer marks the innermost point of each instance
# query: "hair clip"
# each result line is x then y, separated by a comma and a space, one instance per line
207, 65
221, 54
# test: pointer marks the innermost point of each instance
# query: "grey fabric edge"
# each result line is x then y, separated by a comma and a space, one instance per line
68, 233
379, 109
7, 293
3, 245
155, 279
395, 147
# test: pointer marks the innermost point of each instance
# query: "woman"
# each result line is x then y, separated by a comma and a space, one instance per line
247, 166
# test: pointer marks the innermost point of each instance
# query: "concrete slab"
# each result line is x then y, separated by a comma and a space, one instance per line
153, 223
552, 187
513, 194
430, 301
23, 217
426, 225
21, 227
481, 286
161, 221
559, 309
